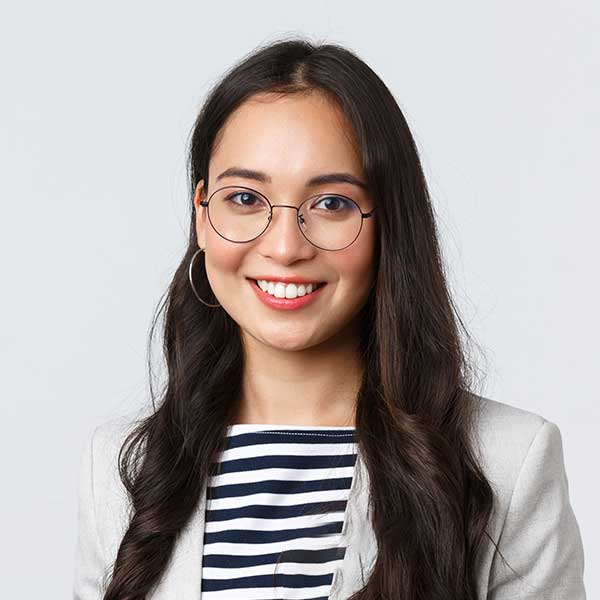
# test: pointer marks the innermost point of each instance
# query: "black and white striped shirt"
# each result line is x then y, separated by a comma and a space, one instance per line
275, 511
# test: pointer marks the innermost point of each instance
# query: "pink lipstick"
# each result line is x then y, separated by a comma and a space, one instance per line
285, 303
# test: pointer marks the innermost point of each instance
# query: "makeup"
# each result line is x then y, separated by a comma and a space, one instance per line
285, 303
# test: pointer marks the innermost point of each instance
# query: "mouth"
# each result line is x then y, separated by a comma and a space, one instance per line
287, 298
303, 288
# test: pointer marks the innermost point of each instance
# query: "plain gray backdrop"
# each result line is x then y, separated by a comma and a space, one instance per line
97, 104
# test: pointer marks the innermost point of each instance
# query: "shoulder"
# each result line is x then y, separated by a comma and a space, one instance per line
107, 439
503, 435
506, 436
110, 434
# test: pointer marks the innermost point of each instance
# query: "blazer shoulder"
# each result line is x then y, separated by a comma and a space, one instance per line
493, 414
109, 435
108, 438
503, 435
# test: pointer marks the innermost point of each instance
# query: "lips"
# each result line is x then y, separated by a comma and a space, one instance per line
319, 285
285, 303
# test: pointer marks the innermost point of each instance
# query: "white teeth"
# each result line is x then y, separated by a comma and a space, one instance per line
282, 290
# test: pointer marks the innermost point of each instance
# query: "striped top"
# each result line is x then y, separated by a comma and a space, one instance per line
275, 511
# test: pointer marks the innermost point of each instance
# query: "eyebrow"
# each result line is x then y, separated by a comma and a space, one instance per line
315, 181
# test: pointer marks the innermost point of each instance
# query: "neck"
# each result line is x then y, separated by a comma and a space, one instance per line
314, 386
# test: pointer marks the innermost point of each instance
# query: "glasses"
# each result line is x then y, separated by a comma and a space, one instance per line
328, 221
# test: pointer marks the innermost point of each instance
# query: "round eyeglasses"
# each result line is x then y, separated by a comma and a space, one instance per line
328, 221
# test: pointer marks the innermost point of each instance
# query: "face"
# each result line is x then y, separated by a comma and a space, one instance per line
290, 139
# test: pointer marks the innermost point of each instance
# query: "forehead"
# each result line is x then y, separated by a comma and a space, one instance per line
287, 136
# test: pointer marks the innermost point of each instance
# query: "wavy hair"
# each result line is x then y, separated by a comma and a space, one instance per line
431, 501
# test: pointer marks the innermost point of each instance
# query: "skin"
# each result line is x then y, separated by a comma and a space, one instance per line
302, 367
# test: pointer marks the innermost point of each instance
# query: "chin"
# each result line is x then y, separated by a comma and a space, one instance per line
287, 341
294, 345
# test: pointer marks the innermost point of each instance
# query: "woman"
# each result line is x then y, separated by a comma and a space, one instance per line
319, 435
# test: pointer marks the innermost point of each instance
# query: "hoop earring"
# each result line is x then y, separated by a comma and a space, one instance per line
192, 281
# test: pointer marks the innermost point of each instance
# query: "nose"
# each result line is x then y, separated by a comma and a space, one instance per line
283, 239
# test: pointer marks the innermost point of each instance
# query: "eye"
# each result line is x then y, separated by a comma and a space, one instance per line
246, 199
333, 204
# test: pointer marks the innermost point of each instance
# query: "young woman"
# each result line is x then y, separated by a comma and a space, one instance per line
319, 435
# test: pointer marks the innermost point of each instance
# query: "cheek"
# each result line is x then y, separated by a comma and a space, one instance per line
223, 260
355, 266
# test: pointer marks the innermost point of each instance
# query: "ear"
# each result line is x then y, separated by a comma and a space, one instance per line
200, 215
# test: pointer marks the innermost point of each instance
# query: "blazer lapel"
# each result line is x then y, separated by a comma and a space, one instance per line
183, 576
357, 536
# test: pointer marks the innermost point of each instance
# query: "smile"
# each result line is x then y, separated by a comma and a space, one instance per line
286, 290
286, 296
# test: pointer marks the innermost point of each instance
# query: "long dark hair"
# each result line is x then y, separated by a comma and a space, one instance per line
431, 501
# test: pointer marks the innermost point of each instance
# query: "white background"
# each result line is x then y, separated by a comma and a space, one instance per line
96, 107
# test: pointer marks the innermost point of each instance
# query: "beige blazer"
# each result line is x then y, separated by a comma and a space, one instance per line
533, 521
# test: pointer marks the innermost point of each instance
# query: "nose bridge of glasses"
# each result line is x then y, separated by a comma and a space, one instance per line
296, 208
295, 218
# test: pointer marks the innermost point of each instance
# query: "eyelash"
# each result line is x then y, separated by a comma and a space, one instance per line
319, 198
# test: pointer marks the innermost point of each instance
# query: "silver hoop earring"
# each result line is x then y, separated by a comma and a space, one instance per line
192, 281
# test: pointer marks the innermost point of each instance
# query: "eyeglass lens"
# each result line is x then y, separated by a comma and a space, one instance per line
328, 221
